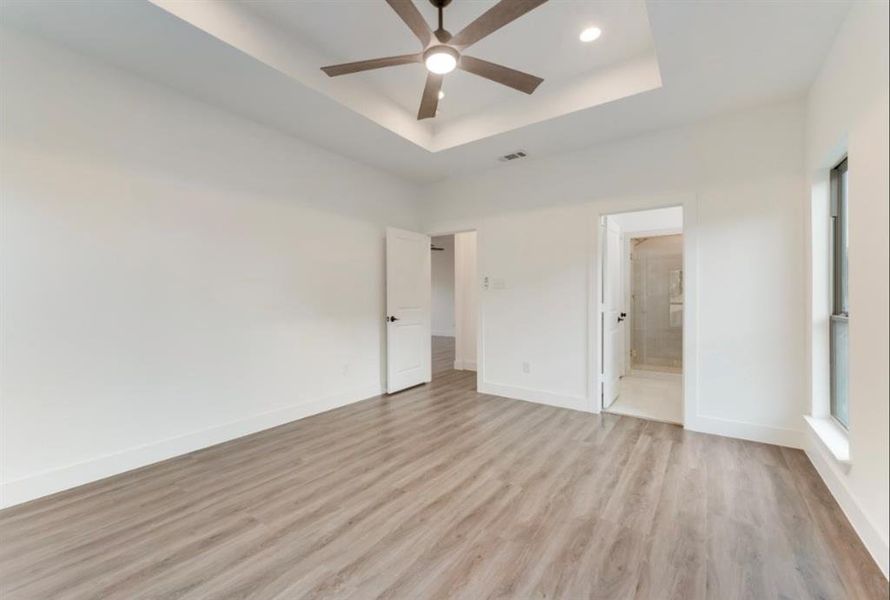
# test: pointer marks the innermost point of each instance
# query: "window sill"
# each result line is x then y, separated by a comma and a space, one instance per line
833, 437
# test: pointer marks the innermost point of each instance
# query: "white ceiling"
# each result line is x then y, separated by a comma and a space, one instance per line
544, 43
712, 57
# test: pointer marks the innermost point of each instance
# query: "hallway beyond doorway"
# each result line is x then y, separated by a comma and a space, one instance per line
443, 354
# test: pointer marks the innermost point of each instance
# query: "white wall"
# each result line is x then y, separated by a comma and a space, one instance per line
172, 276
442, 275
466, 300
535, 223
847, 114
659, 221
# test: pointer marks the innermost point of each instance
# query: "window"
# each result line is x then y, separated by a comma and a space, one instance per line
840, 311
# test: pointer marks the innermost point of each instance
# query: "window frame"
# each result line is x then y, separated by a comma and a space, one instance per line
840, 310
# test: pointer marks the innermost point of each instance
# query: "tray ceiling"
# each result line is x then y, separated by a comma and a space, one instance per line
297, 38
261, 61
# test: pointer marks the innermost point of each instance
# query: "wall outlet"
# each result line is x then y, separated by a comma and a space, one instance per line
526, 368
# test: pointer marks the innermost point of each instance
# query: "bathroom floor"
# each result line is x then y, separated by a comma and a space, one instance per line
650, 395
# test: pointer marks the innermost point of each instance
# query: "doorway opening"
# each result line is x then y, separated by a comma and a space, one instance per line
453, 303
642, 311
416, 337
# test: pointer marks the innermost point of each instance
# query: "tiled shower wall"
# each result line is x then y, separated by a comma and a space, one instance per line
657, 302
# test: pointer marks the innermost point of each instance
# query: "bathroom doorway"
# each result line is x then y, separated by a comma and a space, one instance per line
642, 314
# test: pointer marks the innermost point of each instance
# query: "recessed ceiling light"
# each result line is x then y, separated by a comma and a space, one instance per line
590, 34
441, 94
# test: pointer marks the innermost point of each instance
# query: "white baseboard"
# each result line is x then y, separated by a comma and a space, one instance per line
465, 365
57, 480
442, 334
532, 395
833, 476
754, 432
735, 429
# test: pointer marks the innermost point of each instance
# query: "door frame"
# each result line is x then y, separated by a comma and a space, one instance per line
480, 355
603, 208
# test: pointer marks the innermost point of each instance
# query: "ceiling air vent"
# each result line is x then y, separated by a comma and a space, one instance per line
513, 156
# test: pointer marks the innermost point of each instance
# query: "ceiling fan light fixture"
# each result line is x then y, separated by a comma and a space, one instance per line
590, 34
440, 59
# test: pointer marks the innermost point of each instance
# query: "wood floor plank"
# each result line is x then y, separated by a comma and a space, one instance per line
385, 557
675, 566
441, 492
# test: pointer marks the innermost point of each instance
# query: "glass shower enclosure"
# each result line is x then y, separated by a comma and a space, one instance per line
657, 303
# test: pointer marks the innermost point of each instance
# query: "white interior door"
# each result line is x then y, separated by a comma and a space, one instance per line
408, 359
612, 313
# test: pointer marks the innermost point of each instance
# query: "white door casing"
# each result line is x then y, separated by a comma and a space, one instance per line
408, 353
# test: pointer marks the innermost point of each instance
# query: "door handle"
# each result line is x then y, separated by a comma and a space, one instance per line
622, 317
392, 319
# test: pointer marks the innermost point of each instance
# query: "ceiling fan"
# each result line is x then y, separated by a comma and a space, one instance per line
442, 52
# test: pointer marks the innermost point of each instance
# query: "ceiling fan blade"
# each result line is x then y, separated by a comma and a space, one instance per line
430, 100
408, 12
500, 74
374, 63
502, 13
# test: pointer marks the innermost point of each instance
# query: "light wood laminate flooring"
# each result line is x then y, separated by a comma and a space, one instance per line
441, 492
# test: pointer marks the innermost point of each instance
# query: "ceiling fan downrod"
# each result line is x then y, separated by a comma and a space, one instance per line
441, 33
